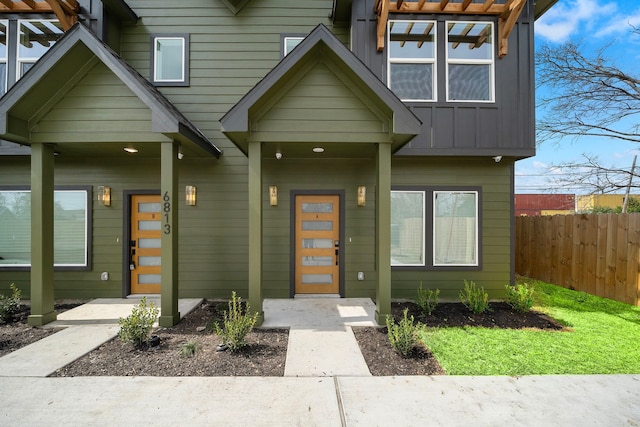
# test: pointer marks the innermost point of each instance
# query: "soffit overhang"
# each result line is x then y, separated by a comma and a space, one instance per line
63, 66
322, 47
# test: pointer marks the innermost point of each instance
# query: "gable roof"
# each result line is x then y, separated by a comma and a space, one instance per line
322, 44
49, 80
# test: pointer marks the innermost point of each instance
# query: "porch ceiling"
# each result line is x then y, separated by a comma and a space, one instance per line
59, 72
295, 150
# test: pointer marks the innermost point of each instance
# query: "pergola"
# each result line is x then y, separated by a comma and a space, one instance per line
65, 10
507, 12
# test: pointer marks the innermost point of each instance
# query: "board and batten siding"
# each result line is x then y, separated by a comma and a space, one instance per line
495, 182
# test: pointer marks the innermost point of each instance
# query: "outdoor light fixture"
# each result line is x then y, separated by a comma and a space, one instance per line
130, 150
104, 195
273, 195
190, 195
497, 159
318, 149
362, 195
278, 155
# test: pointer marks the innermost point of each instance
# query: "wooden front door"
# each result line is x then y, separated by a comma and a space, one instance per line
144, 259
317, 244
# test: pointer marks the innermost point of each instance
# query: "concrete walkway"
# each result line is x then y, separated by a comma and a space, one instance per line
320, 394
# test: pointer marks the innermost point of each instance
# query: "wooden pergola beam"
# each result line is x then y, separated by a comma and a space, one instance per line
65, 10
508, 14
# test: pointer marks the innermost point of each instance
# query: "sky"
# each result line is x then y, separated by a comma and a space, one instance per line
594, 24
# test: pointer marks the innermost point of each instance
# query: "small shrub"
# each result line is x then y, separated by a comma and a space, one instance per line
189, 349
9, 305
136, 328
427, 300
521, 296
474, 298
404, 335
236, 325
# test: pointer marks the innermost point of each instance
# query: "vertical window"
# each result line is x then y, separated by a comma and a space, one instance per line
170, 59
470, 61
412, 59
70, 228
407, 228
455, 228
289, 43
4, 37
35, 37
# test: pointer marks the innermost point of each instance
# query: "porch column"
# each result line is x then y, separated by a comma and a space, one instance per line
255, 229
42, 295
383, 233
169, 314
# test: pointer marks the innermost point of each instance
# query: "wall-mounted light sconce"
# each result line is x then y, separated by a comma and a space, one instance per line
273, 195
362, 195
190, 195
104, 195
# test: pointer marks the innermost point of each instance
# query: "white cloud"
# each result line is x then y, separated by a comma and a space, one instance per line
620, 24
539, 165
564, 19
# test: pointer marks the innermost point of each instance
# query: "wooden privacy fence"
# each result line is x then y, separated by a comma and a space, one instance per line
596, 253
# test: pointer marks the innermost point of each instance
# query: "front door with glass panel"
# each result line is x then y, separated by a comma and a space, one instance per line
317, 247
144, 257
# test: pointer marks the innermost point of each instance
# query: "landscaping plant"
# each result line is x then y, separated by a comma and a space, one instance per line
427, 300
521, 296
404, 335
189, 349
474, 297
9, 305
237, 324
136, 328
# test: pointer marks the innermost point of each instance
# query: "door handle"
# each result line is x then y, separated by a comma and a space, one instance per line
337, 256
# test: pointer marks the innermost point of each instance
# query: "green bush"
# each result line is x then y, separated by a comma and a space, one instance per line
236, 325
474, 297
404, 335
521, 296
136, 328
427, 300
9, 305
189, 349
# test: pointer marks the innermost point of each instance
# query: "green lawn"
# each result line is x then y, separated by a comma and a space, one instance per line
604, 338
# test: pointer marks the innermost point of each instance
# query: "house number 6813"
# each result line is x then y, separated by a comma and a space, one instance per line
167, 210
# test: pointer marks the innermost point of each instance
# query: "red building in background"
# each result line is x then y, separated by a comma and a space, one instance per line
544, 204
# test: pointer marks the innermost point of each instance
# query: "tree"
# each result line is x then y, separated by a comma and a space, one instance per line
587, 97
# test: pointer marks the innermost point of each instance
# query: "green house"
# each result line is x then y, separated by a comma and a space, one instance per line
350, 148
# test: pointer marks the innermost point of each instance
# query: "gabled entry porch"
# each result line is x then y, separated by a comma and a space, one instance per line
319, 123
82, 101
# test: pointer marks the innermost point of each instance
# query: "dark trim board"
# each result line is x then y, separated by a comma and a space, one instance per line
126, 233
292, 235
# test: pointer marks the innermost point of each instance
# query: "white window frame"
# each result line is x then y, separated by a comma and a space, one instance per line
476, 229
85, 264
5, 60
284, 43
184, 78
28, 59
433, 61
491, 62
423, 256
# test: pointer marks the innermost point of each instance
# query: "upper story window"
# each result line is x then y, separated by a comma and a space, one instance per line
470, 61
36, 36
414, 57
412, 60
170, 59
22, 43
290, 43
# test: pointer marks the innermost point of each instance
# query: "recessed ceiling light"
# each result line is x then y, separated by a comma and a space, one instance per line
318, 150
130, 150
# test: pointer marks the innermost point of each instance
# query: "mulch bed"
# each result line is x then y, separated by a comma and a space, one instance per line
265, 353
